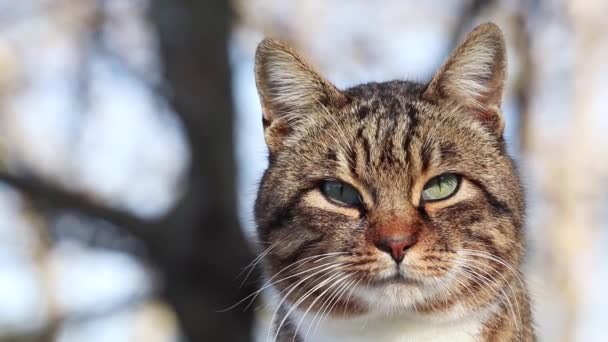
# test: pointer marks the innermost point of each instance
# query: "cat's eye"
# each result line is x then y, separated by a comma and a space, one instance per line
341, 193
440, 187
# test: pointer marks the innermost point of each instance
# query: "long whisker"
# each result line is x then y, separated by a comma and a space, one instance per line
301, 262
335, 282
444, 291
270, 283
517, 318
283, 295
495, 258
299, 301
492, 280
249, 268
343, 283
332, 304
499, 260
332, 266
350, 293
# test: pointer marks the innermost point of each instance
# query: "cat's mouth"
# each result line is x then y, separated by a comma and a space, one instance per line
395, 279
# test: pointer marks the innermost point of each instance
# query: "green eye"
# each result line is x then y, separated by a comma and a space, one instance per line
341, 193
440, 187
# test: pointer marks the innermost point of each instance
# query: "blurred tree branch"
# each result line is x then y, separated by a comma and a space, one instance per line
56, 197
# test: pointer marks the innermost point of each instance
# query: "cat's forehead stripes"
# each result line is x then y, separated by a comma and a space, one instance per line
383, 144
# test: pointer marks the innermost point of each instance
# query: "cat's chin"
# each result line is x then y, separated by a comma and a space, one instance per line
395, 290
396, 293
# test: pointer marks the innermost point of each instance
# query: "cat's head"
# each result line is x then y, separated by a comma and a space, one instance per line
390, 196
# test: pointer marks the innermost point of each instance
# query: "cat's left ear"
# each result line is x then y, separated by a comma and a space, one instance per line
474, 76
291, 91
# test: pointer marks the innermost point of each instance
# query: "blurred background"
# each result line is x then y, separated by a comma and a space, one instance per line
131, 146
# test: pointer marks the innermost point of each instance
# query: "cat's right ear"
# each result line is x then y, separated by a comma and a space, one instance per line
474, 76
291, 91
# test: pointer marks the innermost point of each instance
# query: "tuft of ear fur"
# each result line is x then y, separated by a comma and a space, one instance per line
290, 90
474, 75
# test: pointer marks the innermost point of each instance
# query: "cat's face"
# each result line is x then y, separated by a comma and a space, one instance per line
390, 196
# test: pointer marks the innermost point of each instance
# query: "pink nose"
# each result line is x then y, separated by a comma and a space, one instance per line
396, 246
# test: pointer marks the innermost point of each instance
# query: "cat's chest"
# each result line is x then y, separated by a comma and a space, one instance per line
395, 329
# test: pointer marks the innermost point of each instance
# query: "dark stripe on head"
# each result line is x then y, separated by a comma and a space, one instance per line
448, 152
423, 214
465, 213
486, 241
366, 150
426, 154
378, 127
499, 206
388, 148
363, 112
282, 215
353, 161
413, 121
331, 155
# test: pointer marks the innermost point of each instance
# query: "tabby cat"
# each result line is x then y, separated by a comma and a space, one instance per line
391, 211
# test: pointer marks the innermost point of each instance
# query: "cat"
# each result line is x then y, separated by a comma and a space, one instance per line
391, 211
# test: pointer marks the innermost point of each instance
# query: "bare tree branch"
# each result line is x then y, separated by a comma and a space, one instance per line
59, 198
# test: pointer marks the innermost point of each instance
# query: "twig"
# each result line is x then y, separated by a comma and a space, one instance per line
63, 199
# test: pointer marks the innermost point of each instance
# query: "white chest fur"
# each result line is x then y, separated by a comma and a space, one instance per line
457, 325
390, 329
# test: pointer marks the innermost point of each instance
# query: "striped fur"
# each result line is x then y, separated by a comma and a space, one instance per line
387, 140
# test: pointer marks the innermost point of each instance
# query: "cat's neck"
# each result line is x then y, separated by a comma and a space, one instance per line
399, 327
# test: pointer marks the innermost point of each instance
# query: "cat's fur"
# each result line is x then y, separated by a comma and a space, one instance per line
461, 281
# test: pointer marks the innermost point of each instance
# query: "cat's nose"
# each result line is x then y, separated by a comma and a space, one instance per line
396, 246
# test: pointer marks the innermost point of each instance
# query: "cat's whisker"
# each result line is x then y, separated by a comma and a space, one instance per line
489, 256
307, 271
350, 294
499, 260
270, 283
312, 259
249, 268
495, 258
443, 289
333, 266
302, 299
480, 281
327, 305
301, 263
468, 290
338, 299
465, 286
283, 295
494, 281
517, 318
339, 280
323, 307
467, 275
